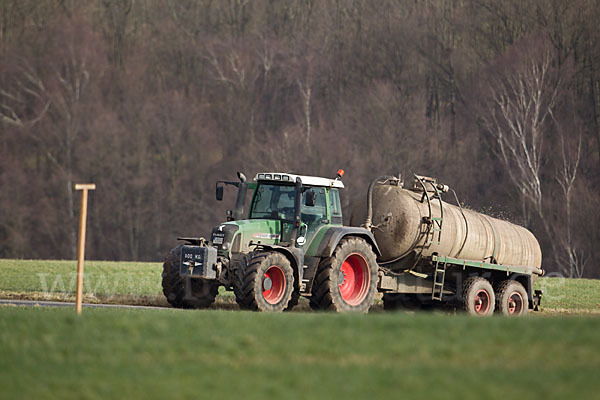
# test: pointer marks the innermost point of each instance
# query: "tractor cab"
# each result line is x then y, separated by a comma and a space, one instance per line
275, 198
285, 209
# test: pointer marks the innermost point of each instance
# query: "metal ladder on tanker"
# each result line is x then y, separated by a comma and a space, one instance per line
434, 226
439, 276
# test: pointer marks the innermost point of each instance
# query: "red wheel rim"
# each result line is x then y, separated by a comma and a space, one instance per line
481, 303
273, 284
354, 279
515, 303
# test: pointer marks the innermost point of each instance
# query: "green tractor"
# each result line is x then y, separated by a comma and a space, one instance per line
292, 243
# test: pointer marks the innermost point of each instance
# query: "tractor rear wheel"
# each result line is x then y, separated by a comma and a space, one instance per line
185, 292
265, 282
511, 298
346, 281
478, 297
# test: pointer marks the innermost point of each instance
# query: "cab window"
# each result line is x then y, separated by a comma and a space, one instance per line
319, 210
335, 206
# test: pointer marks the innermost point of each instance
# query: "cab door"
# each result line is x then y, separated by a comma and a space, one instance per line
313, 212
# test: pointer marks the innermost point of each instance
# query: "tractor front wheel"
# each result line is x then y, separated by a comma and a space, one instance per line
346, 281
265, 282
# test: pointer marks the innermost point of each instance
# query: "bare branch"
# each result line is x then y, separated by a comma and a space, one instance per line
213, 60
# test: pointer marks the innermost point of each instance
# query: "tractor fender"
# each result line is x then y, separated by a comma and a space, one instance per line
295, 255
335, 234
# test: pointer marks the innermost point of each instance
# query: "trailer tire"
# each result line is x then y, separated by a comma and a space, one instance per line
185, 292
346, 281
478, 297
265, 282
511, 298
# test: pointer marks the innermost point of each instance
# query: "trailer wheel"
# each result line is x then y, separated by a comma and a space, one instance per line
478, 296
346, 281
185, 292
511, 298
265, 282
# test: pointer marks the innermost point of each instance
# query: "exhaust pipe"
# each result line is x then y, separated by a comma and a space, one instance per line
297, 206
238, 211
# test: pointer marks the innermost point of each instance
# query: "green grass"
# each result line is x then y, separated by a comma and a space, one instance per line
51, 353
102, 277
570, 295
105, 281
139, 283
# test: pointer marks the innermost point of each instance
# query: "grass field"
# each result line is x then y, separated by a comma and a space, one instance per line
139, 283
48, 353
105, 281
51, 353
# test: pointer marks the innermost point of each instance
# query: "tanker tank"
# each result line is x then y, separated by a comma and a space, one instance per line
416, 222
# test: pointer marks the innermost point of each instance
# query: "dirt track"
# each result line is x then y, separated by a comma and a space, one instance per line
35, 303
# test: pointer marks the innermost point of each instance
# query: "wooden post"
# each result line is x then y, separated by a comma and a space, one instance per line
81, 246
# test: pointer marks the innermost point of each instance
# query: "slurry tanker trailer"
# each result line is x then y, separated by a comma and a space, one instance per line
405, 242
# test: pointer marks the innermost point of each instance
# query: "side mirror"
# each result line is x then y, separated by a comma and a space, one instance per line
219, 193
311, 196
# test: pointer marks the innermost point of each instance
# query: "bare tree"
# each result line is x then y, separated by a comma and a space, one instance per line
575, 262
522, 103
305, 88
117, 12
53, 93
519, 114
156, 99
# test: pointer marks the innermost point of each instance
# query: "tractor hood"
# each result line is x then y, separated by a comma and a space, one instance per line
236, 236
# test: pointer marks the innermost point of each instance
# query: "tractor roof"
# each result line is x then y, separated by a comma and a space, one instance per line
291, 178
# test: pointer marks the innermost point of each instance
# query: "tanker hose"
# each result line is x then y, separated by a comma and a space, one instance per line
369, 221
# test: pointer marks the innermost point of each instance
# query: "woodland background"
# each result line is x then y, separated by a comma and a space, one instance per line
155, 100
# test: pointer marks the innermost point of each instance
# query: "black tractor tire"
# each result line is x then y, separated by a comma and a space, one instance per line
265, 282
401, 301
185, 292
478, 297
511, 298
346, 281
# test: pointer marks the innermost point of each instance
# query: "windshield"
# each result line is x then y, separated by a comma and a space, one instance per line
277, 202
274, 202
